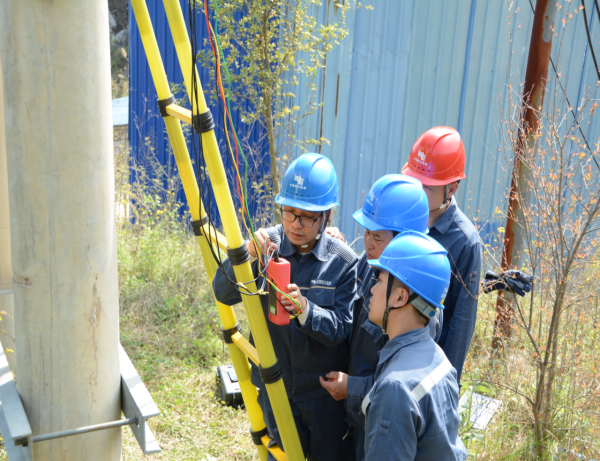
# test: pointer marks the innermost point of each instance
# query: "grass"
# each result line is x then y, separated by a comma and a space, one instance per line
170, 329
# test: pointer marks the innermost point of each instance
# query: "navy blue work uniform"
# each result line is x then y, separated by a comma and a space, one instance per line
412, 409
458, 235
367, 340
326, 276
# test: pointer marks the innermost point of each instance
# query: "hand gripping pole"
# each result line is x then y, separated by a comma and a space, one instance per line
256, 318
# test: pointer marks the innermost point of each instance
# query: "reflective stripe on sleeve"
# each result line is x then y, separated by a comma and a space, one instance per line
431, 380
365, 403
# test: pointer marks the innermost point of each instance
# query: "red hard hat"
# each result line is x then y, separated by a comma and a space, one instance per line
437, 158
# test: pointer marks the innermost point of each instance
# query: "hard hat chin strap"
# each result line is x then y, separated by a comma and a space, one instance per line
426, 309
446, 199
388, 308
318, 236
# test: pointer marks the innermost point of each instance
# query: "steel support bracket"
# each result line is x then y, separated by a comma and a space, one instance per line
136, 402
14, 425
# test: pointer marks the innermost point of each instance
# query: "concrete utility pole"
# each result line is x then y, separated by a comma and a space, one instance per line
57, 92
7, 325
533, 101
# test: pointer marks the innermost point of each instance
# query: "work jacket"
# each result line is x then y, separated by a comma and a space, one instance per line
326, 276
458, 235
412, 409
367, 340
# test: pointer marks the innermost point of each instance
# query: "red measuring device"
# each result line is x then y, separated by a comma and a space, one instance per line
278, 271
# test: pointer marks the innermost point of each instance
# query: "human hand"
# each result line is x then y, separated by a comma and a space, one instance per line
294, 293
335, 233
261, 236
336, 384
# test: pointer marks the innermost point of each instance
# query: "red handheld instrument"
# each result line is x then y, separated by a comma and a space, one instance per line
278, 271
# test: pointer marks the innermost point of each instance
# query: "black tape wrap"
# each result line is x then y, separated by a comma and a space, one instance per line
203, 122
163, 103
272, 374
198, 225
227, 334
258, 435
238, 256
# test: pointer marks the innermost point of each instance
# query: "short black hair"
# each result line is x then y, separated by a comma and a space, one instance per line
398, 284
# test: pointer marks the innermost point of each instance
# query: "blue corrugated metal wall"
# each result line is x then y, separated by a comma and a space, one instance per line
401, 70
146, 125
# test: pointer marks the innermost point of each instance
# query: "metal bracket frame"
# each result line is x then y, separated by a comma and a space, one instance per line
14, 425
136, 403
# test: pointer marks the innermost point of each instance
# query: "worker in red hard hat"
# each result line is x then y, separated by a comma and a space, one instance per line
437, 159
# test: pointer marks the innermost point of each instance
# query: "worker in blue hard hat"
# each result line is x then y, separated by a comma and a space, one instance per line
323, 285
395, 203
412, 409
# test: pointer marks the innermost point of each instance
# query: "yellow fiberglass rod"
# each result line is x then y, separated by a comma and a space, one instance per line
190, 185
276, 391
243, 272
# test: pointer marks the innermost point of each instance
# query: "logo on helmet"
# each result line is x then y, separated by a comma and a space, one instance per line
299, 180
371, 198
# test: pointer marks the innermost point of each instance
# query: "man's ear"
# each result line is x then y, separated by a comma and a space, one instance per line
452, 188
327, 215
399, 297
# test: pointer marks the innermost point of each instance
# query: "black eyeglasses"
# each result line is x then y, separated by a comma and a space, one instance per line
305, 221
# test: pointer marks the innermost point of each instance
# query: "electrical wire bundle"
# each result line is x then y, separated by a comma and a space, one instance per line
241, 185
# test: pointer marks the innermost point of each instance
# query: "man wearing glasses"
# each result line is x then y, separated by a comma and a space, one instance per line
323, 276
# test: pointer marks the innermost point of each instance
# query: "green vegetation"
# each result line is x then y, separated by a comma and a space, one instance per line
170, 328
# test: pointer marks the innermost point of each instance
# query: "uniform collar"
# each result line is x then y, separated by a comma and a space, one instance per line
403, 340
319, 250
443, 223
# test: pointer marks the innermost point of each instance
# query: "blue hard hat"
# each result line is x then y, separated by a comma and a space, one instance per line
396, 202
419, 262
310, 183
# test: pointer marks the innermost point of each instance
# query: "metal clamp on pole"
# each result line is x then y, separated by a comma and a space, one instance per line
227, 334
272, 374
203, 123
238, 256
198, 225
136, 402
163, 103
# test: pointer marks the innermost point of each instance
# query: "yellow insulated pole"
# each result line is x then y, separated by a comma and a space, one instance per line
227, 316
243, 272
190, 186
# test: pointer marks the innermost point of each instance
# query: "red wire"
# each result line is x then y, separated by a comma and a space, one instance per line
222, 91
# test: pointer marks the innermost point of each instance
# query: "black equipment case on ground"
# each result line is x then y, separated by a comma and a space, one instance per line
228, 385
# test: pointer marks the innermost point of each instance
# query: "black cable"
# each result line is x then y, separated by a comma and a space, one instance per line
565, 91
206, 196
